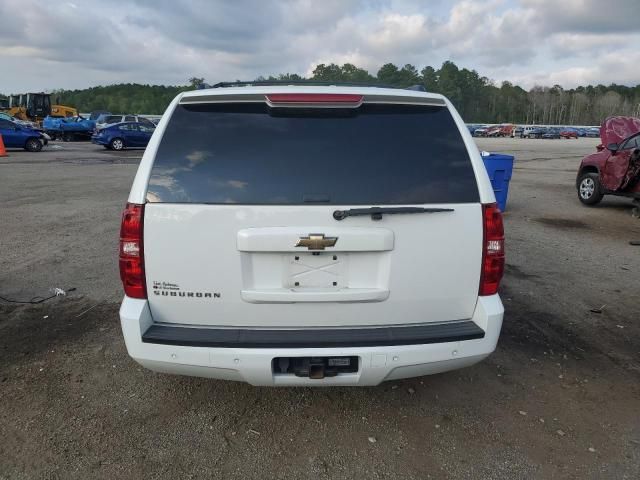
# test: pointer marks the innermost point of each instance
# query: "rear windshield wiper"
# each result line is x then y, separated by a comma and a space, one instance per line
377, 212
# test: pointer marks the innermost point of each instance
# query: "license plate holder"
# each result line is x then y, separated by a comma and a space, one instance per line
315, 367
315, 270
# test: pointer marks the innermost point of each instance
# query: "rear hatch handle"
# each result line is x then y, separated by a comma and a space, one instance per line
377, 212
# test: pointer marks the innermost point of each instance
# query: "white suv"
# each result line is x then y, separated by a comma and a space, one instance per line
311, 235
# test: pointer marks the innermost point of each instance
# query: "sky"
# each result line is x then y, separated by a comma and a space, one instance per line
77, 44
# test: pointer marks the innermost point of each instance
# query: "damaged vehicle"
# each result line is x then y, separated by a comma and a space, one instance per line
615, 168
68, 128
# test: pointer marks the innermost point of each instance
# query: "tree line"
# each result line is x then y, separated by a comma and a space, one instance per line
477, 98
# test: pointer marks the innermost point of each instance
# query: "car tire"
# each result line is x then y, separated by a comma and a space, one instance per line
33, 145
589, 189
116, 144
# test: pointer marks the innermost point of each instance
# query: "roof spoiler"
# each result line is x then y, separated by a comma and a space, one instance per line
263, 83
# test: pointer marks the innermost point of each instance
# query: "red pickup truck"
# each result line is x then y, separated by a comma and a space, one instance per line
615, 168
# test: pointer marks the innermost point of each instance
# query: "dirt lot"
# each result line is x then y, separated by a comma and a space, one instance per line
560, 398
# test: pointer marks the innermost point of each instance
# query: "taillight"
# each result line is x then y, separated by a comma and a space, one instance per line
131, 252
492, 250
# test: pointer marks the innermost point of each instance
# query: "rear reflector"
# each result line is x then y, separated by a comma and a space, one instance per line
342, 99
131, 252
492, 250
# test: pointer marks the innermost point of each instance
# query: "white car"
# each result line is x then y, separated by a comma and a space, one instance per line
526, 131
308, 235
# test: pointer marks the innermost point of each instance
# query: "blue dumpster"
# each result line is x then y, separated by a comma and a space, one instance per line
499, 168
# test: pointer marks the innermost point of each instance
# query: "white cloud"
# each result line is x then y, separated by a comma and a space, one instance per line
75, 45
609, 69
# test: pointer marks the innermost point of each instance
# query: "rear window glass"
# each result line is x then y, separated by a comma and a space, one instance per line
251, 154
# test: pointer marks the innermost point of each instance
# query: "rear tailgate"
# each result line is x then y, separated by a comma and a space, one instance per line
240, 230
206, 266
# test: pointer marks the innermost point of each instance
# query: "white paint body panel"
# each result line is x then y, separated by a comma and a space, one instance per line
403, 269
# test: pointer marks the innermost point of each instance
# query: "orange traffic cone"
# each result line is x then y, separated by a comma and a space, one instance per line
3, 151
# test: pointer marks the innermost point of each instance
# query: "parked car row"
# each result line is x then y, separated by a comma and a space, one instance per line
531, 131
555, 132
504, 130
117, 136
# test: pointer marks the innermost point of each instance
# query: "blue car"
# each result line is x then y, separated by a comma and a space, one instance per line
21, 136
551, 133
592, 132
123, 135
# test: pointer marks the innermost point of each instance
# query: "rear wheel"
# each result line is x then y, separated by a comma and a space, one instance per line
589, 189
116, 144
33, 145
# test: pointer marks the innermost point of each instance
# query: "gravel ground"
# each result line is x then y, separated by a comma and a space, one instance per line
558, 399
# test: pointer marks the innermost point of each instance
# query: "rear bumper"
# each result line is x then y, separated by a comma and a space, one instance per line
378, 363
169, 334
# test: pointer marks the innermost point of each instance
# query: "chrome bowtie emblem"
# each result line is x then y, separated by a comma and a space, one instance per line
316, 241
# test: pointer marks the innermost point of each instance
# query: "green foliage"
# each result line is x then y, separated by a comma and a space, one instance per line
121, 98
477, 98
283, 77
344, 73
404, 77
196, 82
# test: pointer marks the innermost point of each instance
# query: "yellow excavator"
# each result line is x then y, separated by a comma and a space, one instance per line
35, 106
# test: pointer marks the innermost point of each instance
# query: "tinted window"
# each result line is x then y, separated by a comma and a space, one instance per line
249, 154
113, 119
130, 118
145, 121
